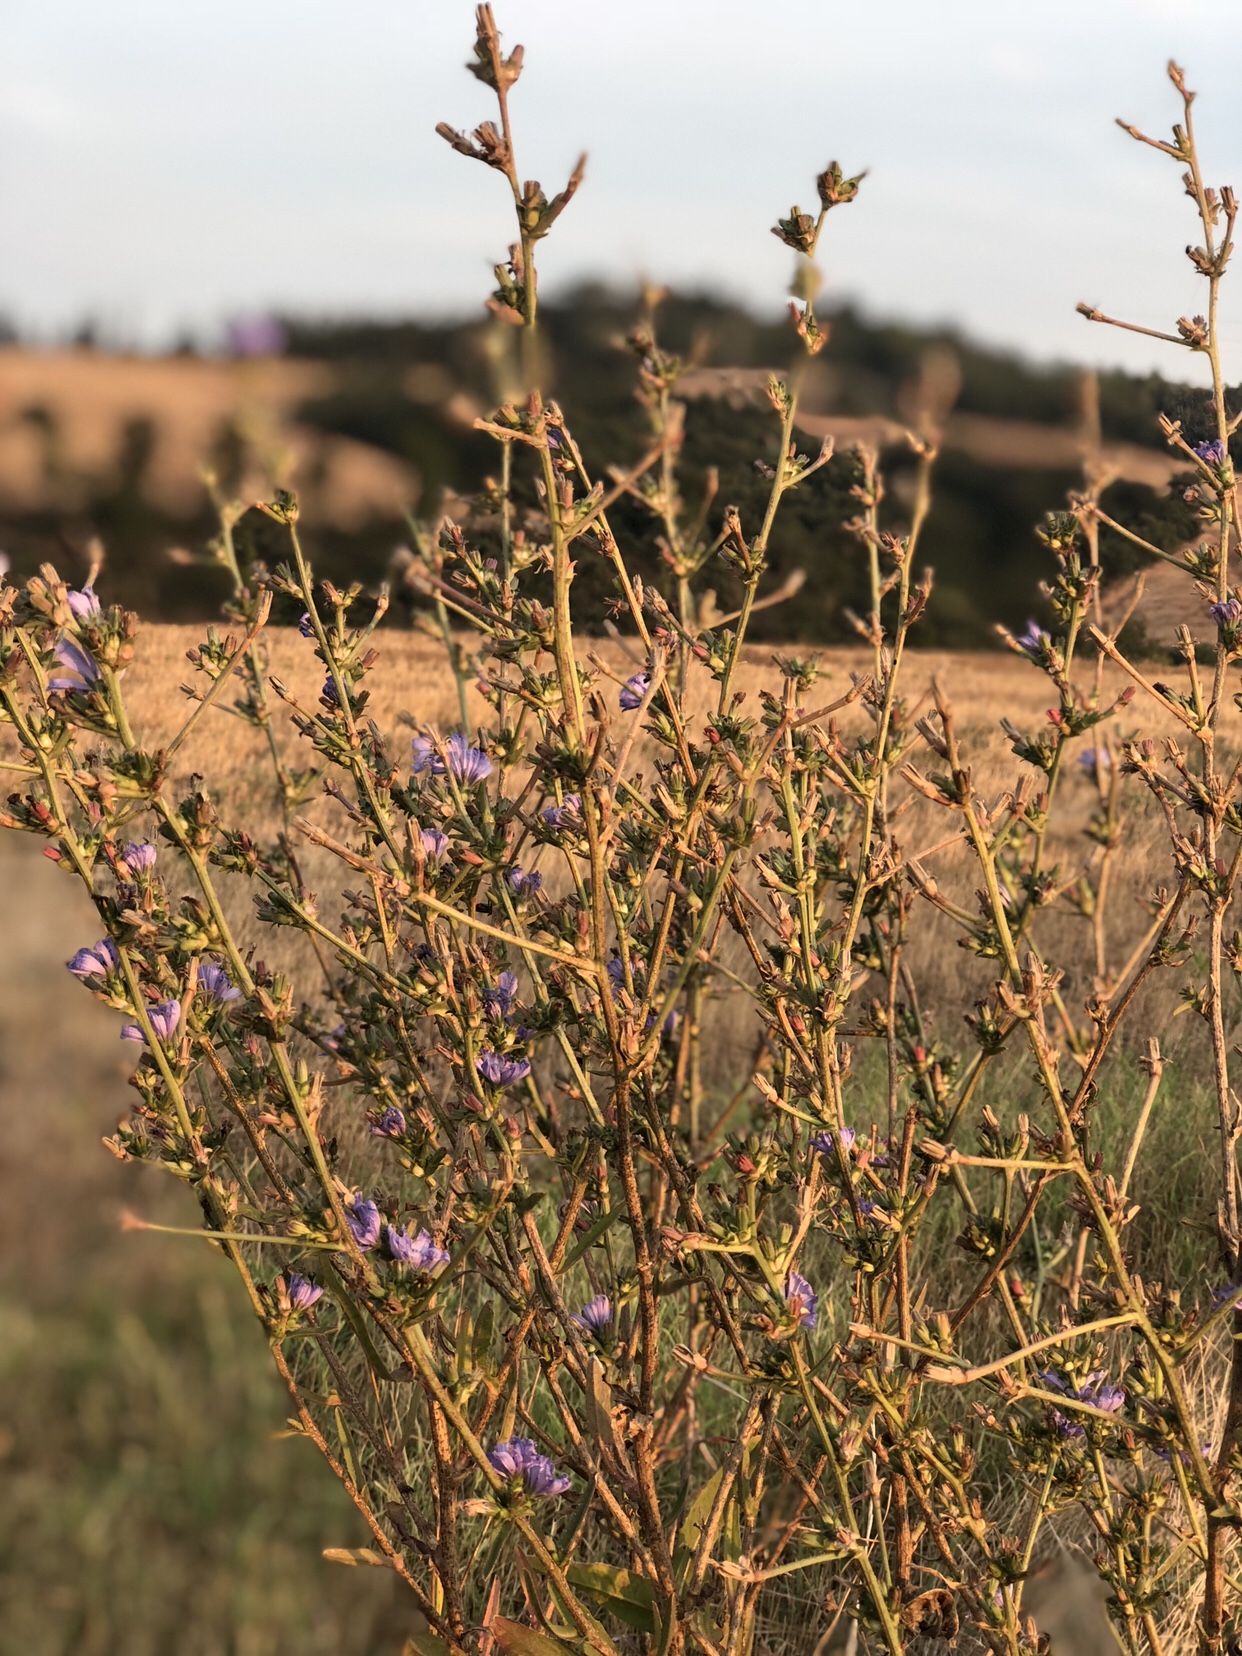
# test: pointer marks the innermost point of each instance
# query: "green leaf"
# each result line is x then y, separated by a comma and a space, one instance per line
425, 1644
483, 1335
516, 1640
700, 1511
599, 1410
603, 1223
628, 1596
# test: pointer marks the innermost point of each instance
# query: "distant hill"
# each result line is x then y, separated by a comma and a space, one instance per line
368, 415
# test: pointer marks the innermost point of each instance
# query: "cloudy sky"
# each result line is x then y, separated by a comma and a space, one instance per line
163, 166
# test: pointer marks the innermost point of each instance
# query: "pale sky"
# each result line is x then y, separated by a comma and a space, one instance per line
167, 163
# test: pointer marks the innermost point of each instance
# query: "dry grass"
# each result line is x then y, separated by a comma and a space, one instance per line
138, 1427
91, 399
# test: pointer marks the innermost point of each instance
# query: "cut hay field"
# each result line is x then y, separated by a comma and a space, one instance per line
150, 1505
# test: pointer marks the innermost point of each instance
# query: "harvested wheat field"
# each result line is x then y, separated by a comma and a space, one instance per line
233, 1509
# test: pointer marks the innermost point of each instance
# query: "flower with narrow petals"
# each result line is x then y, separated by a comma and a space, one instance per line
435, 845
391, 1124
498, 998
300, 1292
518, 1460
1212, 452
1096, 1391
416, 1253
363, 1219
523, 884
163, 1019
1226, 613
564, 815
138, 857
305, 625
595, 1316
79, 670
826, 1143
801, 1300
217, 985
328, 695
85, 604
500, 1071
633, 690
1034, 639
463, 762
97, 961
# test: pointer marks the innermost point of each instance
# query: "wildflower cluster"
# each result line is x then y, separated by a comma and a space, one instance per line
589, 1340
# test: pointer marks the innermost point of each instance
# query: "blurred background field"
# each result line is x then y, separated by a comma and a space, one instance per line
370, 420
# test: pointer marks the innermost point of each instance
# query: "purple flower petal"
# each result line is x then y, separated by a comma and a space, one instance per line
500, 1071
81, 672
519, 1460
801, 1300
300, 1292
216, 984
363, 1219
633, 691
97, 961
418, 1252
138, 857
596, 1315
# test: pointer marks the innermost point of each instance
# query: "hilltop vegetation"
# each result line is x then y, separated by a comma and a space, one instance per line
408, 391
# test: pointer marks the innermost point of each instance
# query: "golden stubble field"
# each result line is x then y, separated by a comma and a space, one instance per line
137, 1441
57, 1045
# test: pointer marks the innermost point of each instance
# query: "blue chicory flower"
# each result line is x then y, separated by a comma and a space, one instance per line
595, 1316
801, 1300
391, 1124
363, 1219
416, 1253
563, 815
96, 961
305, 625
164, 1019
301, 1292
329, 694
519, 1460
467, 764
1211, 452
1034, 639
1226, 613
435, 845
633, 690
85, 604
500, 1071
1096, 1391
523, 884
138, 857
498, 998
80, 670
826, 1143
217, 985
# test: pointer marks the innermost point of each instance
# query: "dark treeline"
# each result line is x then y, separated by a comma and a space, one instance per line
980, 538
412, 389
